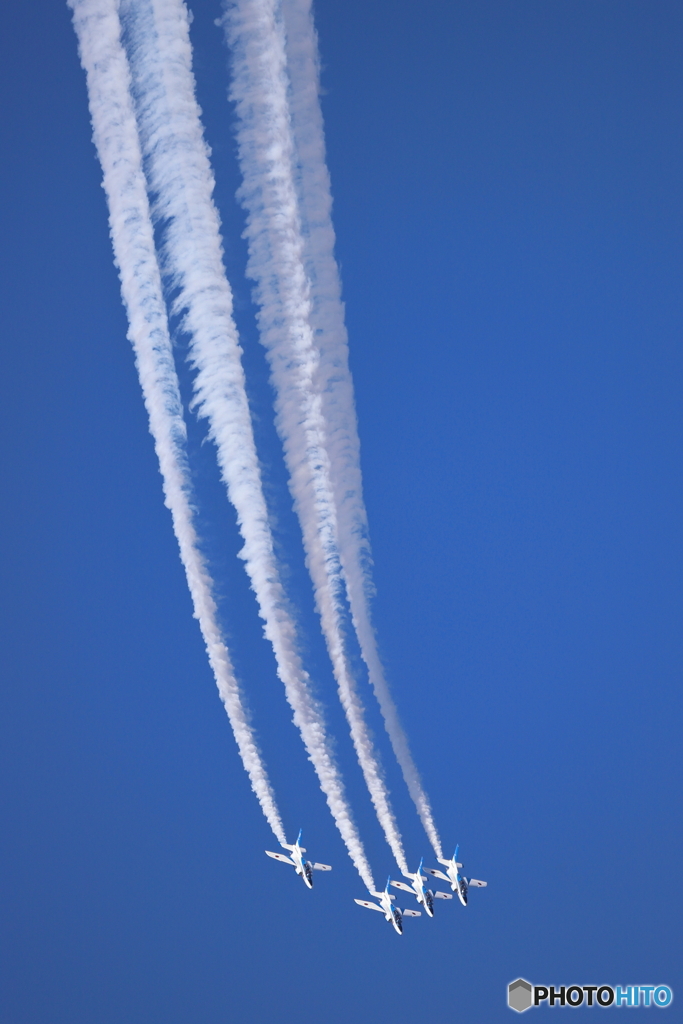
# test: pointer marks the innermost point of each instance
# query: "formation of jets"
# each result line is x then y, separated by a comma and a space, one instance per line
425, 897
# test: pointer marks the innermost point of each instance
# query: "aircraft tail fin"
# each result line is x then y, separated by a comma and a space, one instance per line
293, 846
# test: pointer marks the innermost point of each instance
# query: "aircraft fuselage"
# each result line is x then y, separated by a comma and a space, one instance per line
425, 897
427, 902
391, 912
458, 883
397, 920
303, 867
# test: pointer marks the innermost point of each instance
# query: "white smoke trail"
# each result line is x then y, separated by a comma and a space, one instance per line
181, 182
276, 263
335, 383
116, 139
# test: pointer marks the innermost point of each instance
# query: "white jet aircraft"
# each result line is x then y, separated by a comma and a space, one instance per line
424, 896
391, 913
459, 884
301, 866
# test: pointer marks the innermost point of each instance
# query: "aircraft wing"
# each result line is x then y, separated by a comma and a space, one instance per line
412, 913
281, 856
475, 881
443, 895
437, 874
404, 887
369, 905
321, 867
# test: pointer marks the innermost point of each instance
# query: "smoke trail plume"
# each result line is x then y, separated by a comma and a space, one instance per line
276, 263
116, 139
181, 184
327, 322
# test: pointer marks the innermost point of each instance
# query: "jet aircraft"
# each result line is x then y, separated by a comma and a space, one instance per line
424, 896
301, 866
391, 913
459, 884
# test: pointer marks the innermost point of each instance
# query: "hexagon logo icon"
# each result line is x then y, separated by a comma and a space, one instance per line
519, 995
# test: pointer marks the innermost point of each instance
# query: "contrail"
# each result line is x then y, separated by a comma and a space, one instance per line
334, 378
277, 264
181, 183
116, 139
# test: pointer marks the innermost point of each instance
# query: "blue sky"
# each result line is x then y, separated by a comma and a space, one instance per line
507, 204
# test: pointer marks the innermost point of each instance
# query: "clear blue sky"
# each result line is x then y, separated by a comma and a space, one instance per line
507, 181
